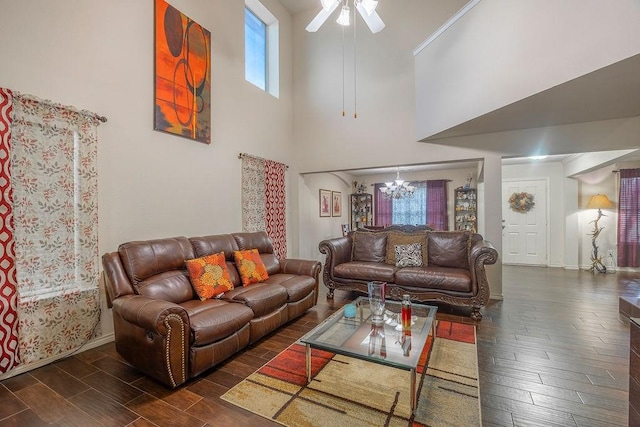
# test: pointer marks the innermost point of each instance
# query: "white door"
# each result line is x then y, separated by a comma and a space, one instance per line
524, 234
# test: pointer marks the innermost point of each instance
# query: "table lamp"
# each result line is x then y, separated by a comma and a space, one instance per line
599, 201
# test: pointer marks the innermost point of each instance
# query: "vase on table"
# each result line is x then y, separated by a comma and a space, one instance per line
377, 292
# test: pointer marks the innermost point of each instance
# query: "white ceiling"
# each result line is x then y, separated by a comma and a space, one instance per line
295, 6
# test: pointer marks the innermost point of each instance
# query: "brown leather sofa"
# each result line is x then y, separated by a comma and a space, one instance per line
453, 269
163, 329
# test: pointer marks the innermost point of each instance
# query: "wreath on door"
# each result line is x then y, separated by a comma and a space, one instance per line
521, 202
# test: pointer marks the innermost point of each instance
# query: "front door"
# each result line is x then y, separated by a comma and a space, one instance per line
524, 234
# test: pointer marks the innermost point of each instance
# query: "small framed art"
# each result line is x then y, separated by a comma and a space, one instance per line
325, 203
336, 203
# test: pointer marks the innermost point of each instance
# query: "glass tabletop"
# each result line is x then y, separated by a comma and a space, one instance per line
384, 343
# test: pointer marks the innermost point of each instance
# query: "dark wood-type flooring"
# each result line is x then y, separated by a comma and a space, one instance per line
554, 352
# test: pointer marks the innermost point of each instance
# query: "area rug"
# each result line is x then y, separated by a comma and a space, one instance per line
351, 392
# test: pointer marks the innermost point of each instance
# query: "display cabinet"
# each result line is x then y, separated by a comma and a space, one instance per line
361, 210
466, 209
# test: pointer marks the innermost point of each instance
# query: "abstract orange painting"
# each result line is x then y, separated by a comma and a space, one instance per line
182, 75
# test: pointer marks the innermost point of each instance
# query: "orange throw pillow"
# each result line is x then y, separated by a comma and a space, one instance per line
250, 267
209, 275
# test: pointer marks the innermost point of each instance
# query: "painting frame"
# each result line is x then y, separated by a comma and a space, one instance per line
325, 203
336, 203
181, 75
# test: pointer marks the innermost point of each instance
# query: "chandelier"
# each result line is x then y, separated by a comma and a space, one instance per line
397, 189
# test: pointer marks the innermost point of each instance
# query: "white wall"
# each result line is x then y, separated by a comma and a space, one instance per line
314, 228
502, 51
384, 132
553, 172
99, 56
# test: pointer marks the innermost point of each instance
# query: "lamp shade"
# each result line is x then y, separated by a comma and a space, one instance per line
599, 201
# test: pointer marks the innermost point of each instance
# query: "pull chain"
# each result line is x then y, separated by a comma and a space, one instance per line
343, 49
355, 86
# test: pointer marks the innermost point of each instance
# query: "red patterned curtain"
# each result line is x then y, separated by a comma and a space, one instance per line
263, 200
437, 204
8, 281
629, 218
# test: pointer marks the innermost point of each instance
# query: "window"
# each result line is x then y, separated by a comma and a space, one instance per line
428, 206
261, 47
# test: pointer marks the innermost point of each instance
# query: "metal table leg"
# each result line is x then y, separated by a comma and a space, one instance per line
308, 363
413, 390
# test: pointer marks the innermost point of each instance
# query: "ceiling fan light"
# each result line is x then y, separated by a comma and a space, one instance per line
369, 5
343, 19
326, 4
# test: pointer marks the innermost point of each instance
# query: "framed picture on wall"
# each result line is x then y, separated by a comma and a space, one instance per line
336, 203
325, 203
182, 77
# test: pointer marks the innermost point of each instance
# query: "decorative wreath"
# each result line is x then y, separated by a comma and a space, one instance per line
521, 202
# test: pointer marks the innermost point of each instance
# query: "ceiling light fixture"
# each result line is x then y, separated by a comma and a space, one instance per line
397, 189
366, 8
343, 18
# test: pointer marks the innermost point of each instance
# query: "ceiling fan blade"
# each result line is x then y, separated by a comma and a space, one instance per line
373, 21
322, 16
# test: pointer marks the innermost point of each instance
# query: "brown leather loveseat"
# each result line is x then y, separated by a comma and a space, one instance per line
451, 265
161, 326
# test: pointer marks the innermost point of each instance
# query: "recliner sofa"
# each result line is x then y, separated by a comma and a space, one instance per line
161, 326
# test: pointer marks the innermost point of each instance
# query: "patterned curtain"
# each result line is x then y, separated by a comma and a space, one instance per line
54, 181
263, 200
8, 288
437, 204
629, 218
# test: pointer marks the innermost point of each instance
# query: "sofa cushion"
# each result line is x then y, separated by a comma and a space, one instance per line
250, 267
260, 240
433, 277
213, 320
409, 255
368, 246
449, 248
298, 286
362, 270
261, 298
156, 267
395, 238
209, 275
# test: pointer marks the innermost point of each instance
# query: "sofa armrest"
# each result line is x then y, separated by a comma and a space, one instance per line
153, 335
338, 250
149, 314
482, 253
301, 267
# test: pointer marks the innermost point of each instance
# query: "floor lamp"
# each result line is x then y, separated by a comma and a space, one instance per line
599, 201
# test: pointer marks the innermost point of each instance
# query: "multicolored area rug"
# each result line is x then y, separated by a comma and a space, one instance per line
351, 392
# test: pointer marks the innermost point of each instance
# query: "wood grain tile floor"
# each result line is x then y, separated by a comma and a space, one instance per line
554, 352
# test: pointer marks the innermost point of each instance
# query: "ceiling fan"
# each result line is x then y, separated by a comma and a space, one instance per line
366, 8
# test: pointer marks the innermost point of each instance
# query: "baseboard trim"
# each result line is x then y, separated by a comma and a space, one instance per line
21, 369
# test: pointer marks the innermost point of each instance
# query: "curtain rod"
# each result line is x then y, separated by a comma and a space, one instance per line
50, 103
241, 155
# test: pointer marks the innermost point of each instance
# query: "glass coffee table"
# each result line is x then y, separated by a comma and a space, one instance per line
385, 342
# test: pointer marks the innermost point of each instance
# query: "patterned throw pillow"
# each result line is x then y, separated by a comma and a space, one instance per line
250, 267
399, 238
409, 255
209, 275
